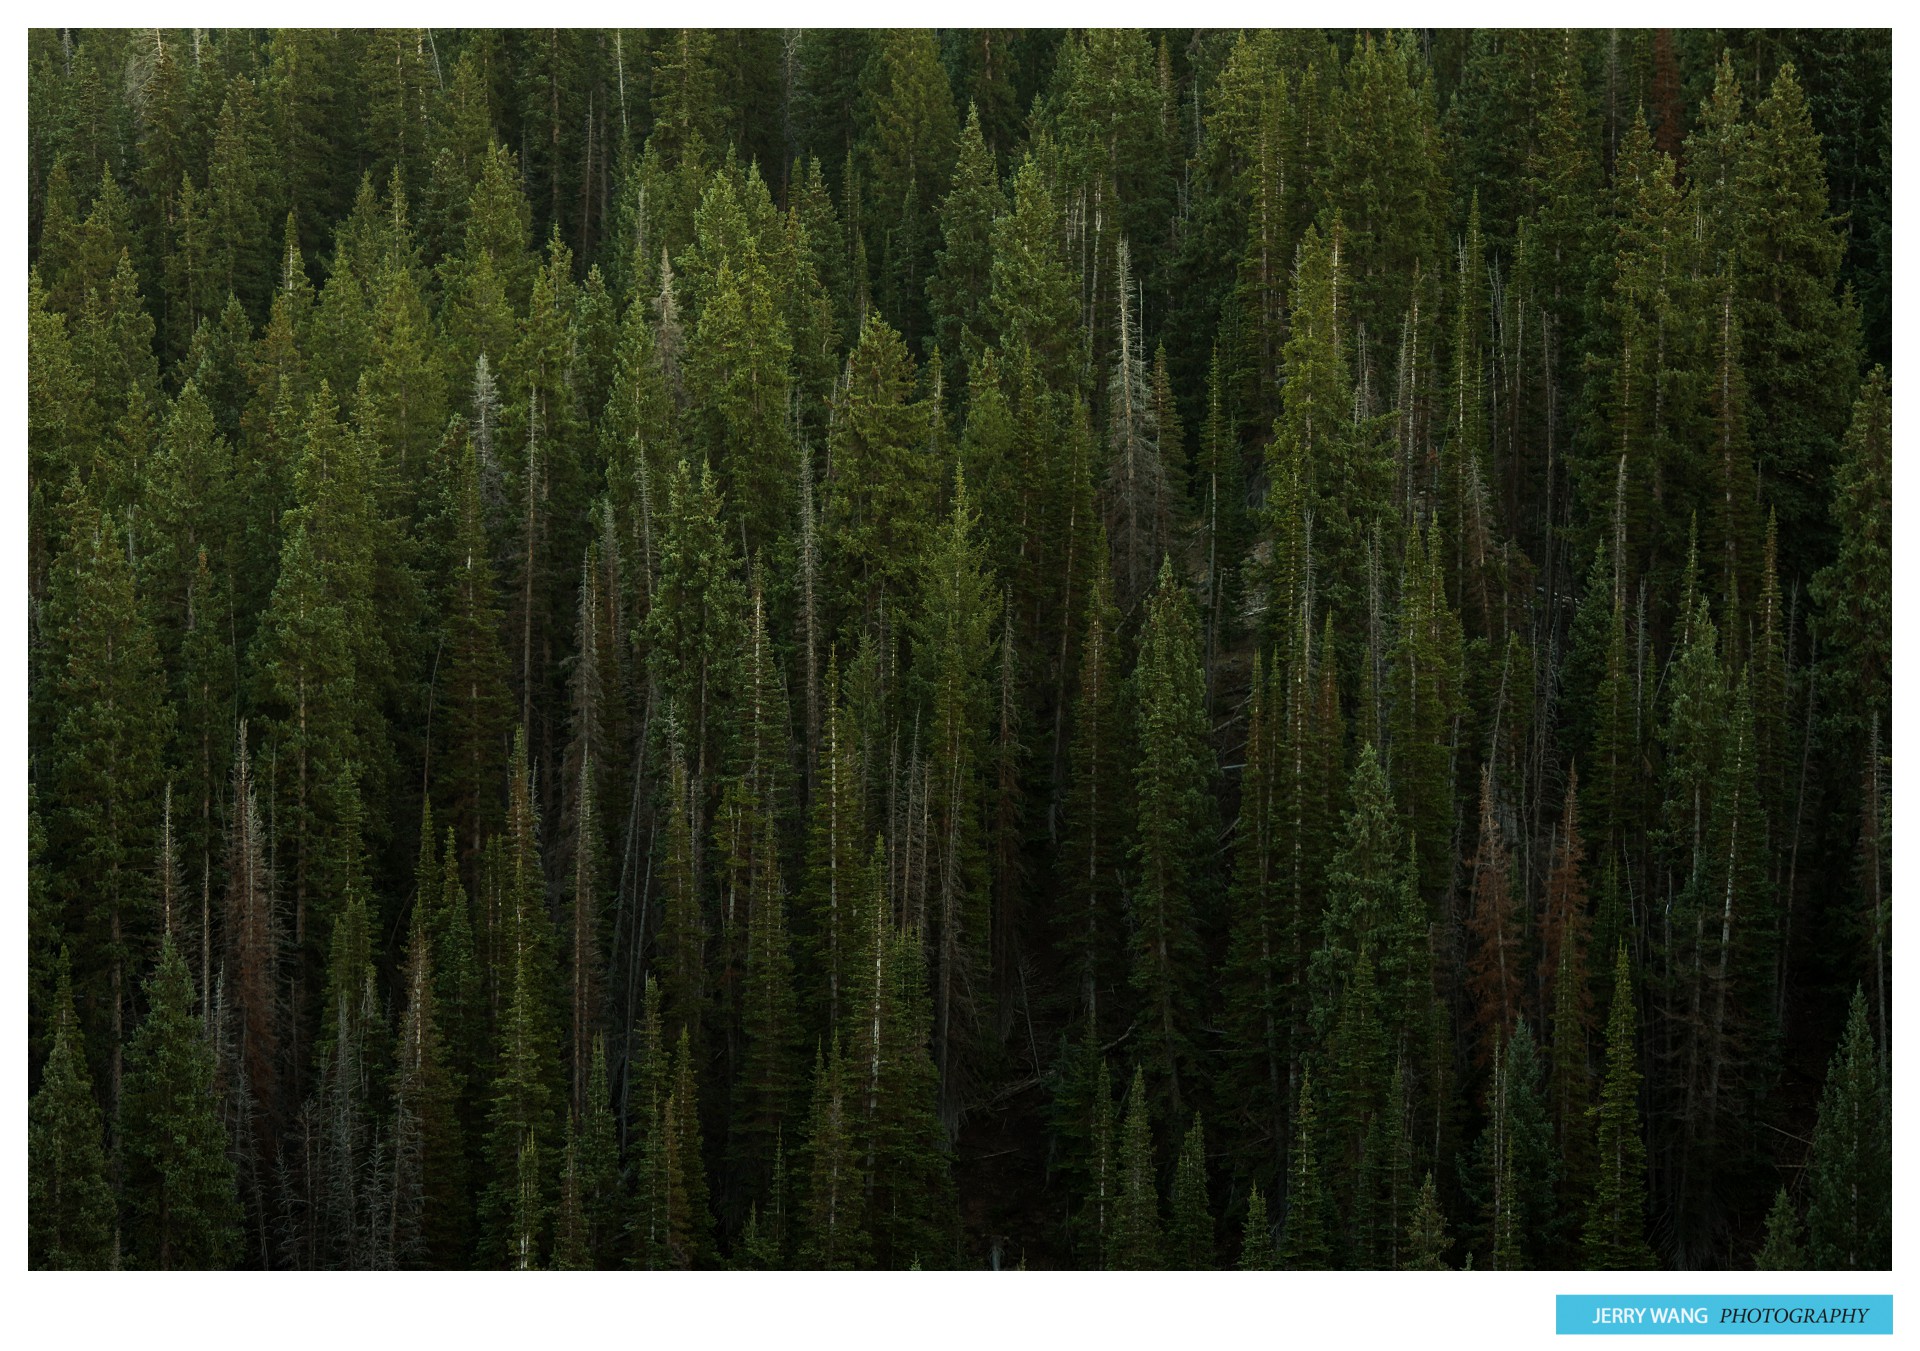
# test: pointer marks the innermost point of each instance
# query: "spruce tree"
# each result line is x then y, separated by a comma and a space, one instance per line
962, 276
1256, 1244
1782, 1251
182, 1210
1427, 1240
1304, 1245
1175, 830
70, 1207
1849, 1168
833, 1234
1137, 1243
109, 736
1190, 1240
1616, 1227
953, 642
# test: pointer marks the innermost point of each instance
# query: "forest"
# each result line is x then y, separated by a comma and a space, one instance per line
959, 648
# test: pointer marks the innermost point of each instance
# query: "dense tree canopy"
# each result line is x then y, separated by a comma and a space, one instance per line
1125, 649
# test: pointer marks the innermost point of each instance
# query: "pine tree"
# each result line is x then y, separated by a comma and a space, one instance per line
960, 284
1032, 302
911, 1209
1304, 1245
833, 1232
430, 1215
1190, 1241
1495, 975
1099, 1210
525, 1108
953, 642
879, 493
1427, 1240
1800, 338
1098, 816
1782, 1250
1615, 1238
1138, 496
1256, 1244
1426, 705
1849, 1168
1136, 1243
1175, 830
909, 160
70, 1207
1853, 622
182, 1211
768, 1078
109, 735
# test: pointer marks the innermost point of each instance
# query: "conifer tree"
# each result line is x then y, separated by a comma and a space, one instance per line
1304, 1245
525, 1107
1800, 335
960, 284
70, 1207
1427, 1240
910, 1188
1495, 976
1031, 297
1849, 1168
429, 1213
1782, 1250
1136, 1244
1174, 829
879, 493
1426, 705
182, 1210
1097, 815
109, 736
954, 625
909, 156
1099, 1211
768, 1078
1190, 1222
1256, 1244
252, 948
1615, 1235
689, 1224
1138, 497
833, 1231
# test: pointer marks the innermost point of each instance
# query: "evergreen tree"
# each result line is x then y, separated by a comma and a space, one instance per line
1097, 816
1615, 1235
181, 1208
1136, 1243
1174, 830
952, 644
1782, 1250
1427, 1240
1256, 1246
110, 727
70, 1207
1849, 1168
833, 1232
1190, 1223
960, 284
1304, 1245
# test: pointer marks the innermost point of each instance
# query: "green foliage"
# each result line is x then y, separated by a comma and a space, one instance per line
70, 1208
182, 1212
1137, 1243
1849, 1168
1189, 1241
1782, 1250
910, 490
1616, 1227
